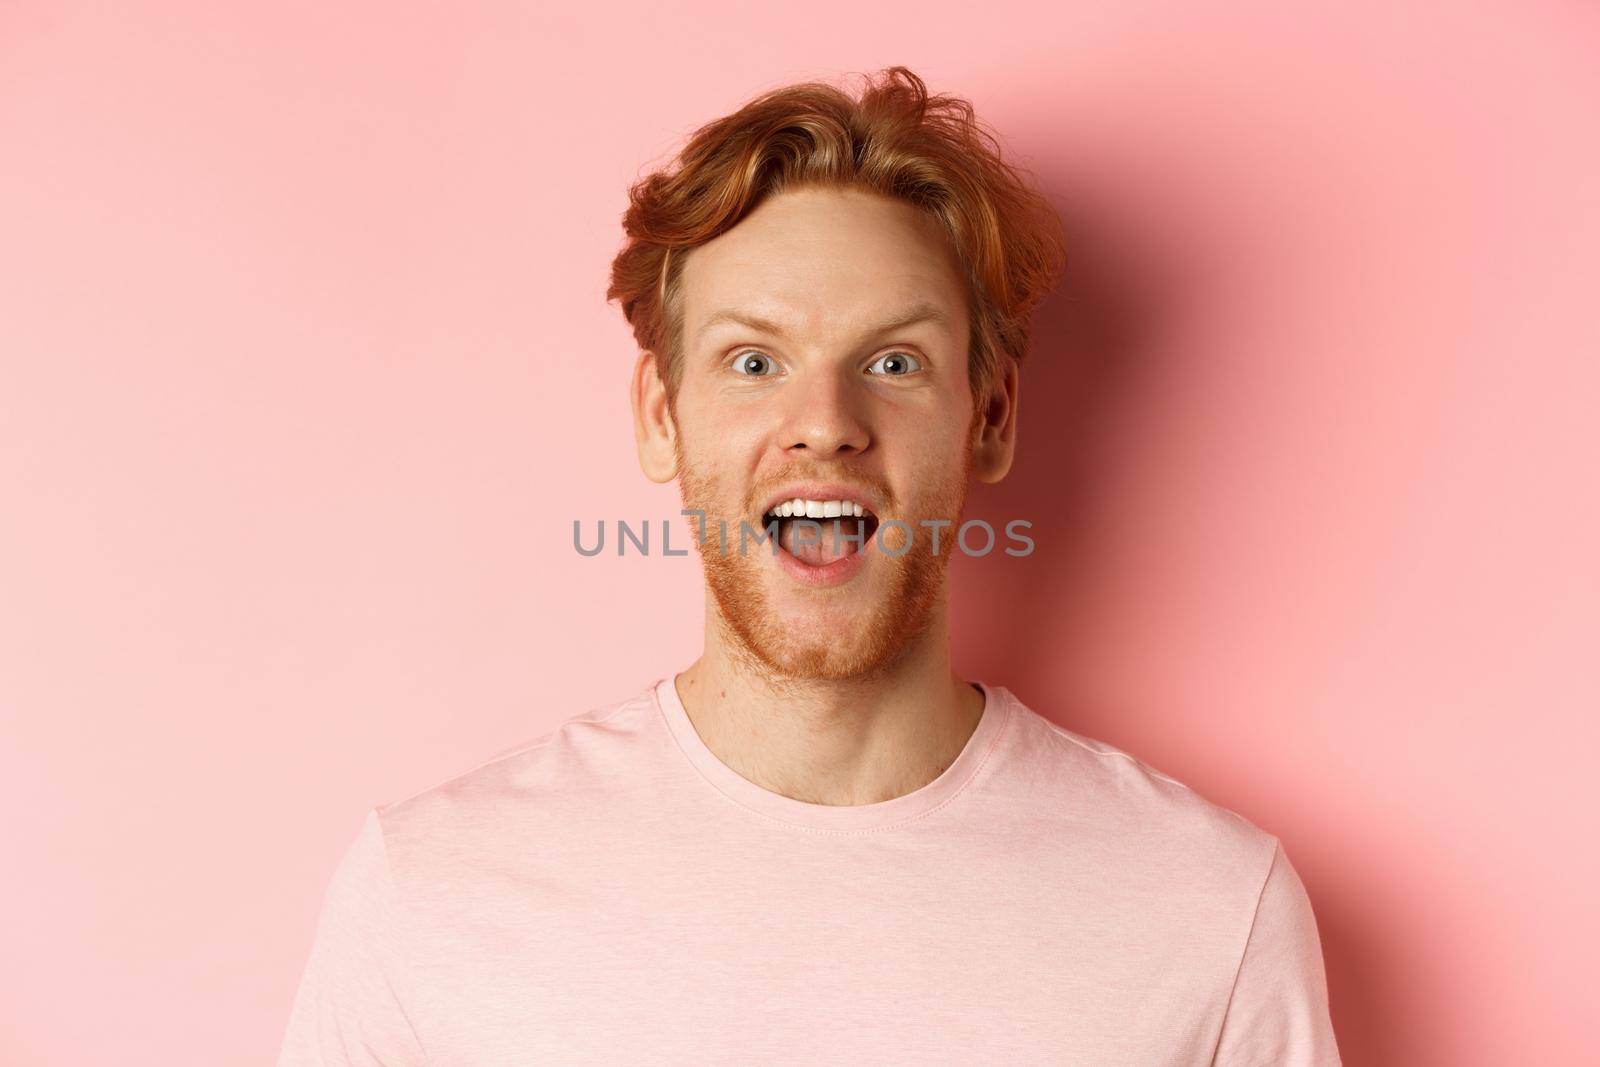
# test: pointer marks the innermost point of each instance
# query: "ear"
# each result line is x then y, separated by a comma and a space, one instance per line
654, 431
996, 425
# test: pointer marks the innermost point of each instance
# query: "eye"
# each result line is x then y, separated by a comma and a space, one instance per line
754, 364
895, 364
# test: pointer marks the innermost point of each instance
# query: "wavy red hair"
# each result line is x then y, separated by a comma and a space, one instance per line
895, 139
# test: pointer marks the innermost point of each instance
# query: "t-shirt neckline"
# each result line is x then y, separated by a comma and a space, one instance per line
837, 817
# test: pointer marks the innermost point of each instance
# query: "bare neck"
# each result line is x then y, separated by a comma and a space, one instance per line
850, 741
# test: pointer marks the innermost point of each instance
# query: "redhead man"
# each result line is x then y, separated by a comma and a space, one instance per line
817, 843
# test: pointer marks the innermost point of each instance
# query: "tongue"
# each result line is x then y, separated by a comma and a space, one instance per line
835, 540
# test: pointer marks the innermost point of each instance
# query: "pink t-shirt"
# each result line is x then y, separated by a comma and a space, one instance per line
612, 893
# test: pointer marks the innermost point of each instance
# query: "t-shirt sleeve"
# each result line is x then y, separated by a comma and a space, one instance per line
350, 1009
1278, 1014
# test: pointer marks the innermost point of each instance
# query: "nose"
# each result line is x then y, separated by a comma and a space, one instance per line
822, 416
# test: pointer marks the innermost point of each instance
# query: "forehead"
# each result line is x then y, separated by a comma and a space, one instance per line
822, 260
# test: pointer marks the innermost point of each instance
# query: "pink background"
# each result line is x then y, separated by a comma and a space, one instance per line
307, 371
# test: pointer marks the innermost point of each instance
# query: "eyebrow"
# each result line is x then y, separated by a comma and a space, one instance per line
916, 313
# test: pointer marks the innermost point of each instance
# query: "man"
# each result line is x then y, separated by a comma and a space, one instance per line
817, 844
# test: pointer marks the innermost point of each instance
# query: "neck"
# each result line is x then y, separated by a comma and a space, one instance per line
857, 740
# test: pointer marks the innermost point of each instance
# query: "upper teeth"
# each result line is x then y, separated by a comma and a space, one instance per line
817, 509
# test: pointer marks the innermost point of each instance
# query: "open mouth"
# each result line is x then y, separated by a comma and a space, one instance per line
818, 533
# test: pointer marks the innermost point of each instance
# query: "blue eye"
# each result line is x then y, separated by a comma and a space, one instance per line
754, 365
895, 364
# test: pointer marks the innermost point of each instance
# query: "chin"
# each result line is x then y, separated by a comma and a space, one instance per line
849, 625
849, 639
826, 660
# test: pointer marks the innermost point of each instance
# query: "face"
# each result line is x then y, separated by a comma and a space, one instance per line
824, 369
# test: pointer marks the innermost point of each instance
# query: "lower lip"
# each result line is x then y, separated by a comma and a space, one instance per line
838, 572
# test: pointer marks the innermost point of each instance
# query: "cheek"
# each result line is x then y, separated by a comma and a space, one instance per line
720, 436
930, 458
930, 479
715, 452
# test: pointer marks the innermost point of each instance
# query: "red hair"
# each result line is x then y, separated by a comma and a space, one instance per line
895, 140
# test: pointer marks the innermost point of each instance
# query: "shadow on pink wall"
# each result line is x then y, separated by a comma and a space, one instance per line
1023, 622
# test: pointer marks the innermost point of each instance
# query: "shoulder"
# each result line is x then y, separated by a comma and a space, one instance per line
552, 780
1110, 795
